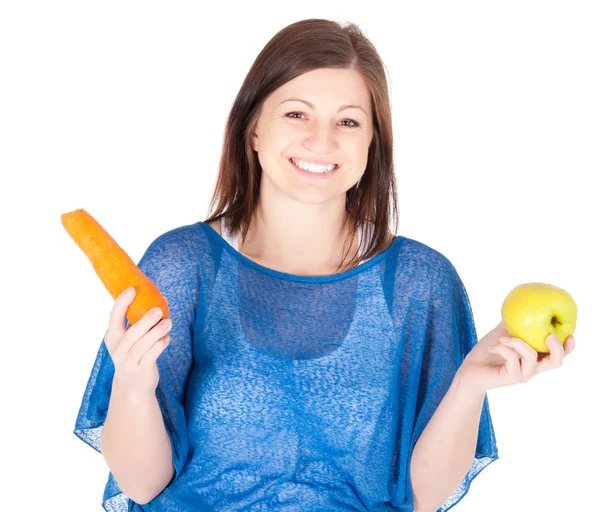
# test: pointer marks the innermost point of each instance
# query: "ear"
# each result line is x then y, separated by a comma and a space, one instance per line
254, 142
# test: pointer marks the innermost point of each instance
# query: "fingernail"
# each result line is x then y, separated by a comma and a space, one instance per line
503, 339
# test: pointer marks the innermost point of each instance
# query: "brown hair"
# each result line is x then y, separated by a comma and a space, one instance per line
297, 49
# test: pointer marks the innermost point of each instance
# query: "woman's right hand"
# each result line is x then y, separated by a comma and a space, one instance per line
134, 351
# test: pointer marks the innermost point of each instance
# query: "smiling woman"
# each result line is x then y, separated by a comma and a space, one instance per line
311, 157
326, 101
299, 377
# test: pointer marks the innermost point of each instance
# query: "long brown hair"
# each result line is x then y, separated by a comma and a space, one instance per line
297, 49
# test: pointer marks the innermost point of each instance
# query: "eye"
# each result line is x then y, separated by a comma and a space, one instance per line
355, 125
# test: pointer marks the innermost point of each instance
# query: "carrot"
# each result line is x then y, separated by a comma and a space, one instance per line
112, 264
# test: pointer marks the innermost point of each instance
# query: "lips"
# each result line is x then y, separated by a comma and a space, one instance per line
292, 162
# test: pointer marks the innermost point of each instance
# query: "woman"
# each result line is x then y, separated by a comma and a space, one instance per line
321, 363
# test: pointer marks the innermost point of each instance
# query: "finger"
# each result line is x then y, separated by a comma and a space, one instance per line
529, 356
141, 328
569, 345
155, 350
556, 356
137, 351
512, 366
557, 351
116, 322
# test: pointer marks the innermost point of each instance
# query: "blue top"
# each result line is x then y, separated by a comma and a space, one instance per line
296, 393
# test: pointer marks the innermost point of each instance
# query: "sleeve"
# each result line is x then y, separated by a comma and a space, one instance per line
163, 263
450, 335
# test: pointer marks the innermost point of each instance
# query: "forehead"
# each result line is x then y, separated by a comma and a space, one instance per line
324, 87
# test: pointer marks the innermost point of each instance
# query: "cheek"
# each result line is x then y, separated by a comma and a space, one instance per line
358, 155
280, 138
362, 153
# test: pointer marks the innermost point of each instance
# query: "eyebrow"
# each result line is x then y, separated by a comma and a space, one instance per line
343, 107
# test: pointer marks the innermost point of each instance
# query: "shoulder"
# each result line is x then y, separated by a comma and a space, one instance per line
420, 260
422, 254
181, 245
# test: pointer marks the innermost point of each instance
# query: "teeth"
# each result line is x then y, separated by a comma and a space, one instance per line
313, 167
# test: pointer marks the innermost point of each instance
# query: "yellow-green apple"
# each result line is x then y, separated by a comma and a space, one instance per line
532, 311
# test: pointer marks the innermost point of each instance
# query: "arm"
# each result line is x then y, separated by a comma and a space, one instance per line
444, 452
136, 446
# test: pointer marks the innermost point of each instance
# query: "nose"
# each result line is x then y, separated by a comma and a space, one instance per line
321, 140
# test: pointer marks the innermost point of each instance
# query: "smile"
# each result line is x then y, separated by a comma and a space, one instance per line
316, 174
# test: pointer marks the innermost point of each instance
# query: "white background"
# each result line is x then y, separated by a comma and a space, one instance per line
119, 108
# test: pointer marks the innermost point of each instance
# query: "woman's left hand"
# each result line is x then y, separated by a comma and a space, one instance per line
493, 364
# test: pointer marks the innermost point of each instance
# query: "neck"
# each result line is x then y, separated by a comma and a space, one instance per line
279, 242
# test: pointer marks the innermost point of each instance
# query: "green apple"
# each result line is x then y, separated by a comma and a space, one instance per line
532, 311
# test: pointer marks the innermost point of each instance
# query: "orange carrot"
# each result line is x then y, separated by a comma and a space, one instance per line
112, 264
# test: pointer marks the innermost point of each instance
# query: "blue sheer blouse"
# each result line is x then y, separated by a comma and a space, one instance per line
296, 393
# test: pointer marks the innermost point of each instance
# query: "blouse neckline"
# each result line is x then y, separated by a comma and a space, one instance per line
362, 267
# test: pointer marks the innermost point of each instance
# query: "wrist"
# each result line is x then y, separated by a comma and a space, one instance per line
466, 388
132, 396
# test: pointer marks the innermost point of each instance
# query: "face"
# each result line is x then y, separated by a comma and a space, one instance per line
312, 127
